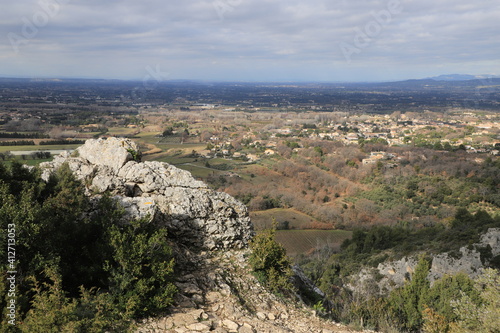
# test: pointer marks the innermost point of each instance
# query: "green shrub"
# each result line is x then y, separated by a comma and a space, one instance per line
53, 311
141, 269
437, 300
481, 316
270, 263
136, 155
88, 272
406, 303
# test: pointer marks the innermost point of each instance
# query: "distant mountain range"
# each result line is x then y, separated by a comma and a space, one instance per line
450, 82
461, 77
445, 80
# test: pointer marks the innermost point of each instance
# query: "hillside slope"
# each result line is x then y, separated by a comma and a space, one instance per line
209, 233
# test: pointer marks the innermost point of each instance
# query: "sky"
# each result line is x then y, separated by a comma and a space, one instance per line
249, 40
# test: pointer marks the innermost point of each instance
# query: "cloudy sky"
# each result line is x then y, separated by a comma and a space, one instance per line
249, 40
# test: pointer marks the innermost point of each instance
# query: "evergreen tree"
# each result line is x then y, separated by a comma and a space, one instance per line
269, 261
406, 303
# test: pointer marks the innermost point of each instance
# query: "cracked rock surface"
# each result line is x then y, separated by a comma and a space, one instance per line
193, 213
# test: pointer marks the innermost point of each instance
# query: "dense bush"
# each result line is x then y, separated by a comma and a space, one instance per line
77, 271
417, 305
482, 315
452, 304
464, 229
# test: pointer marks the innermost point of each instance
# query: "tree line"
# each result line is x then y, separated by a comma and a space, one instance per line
19, 135
62, 142
18, 143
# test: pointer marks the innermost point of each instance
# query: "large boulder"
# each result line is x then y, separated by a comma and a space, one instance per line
111, 152
193, 213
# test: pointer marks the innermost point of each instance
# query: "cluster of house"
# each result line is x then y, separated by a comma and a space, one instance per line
352, 132
378, 156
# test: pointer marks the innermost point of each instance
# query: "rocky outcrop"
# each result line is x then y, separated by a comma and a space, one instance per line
112, 153
468, 262
492, 238
193, 213
392, 274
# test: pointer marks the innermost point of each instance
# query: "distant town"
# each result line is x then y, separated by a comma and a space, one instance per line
249, 121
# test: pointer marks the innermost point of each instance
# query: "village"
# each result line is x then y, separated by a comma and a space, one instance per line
268, 132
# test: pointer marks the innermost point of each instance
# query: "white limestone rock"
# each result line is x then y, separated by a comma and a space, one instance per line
193, 213
492, 238
112, 152
140, 207
469, 263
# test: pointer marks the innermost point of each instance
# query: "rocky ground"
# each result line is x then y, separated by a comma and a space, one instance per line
219, 294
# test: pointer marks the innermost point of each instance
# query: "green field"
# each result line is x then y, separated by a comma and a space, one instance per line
305, 241
122, 131
30, 162
176, 160
32, 148
199, 172
296, 220
196, 166
172, 142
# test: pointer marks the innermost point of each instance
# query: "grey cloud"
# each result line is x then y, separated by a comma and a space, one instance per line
271, 35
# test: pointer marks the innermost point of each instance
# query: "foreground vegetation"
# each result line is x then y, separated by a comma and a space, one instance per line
77, 271
452, 304
270, 263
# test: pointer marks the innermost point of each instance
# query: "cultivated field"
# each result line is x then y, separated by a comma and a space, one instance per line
293, 218
305, 241
30, 148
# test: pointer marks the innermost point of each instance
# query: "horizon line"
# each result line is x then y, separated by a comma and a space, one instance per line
83, 78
